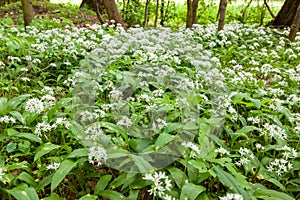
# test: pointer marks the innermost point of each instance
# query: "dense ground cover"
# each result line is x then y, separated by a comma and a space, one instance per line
237, 105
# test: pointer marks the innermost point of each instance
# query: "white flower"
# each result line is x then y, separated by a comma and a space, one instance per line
222, 151
54, 166
34, 105
7, 119
195, 149
125, 121
97, 154
232, 197
161, 183
1, 173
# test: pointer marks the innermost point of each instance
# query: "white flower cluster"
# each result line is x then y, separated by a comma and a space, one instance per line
274, 131
34, 105
53, 166
97, 155
125, 121
284, 164
223, 151
43, 127
195, 151
161, 184
232, 197
1, 173
246, 156
7, 119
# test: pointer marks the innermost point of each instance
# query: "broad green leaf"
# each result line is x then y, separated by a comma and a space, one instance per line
53, 196
178, 176
88, 197
18, 116
79, 153
163, 139
191, 191
18, 100
23, 192
3, 105
141, 163
102, 183
113, 195
231, 182
12, 132
115, 128
272, 194
46, 148
65, 167
24, 176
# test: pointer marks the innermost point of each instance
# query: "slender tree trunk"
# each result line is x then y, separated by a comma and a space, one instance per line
146, 12
98, 11
222, 11
194, 11
286, 14
28, 11
156, 14
295, 25
162, 13
269, 9
113, 11
189, 15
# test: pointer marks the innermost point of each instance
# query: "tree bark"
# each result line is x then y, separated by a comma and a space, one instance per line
194, 11
28, 11
286, 14
189, 15
295, 25
222, 11
113, 11
146, 12
156, 14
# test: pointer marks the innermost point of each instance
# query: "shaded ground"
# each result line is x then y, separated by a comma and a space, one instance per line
46, 10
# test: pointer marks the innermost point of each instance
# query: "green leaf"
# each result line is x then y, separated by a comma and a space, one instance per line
83, 152
268, 194
141, 163
102, 183
13, 133
46, 148
3, 105
23, 192
191, 191
115, 129
230, 181
163, 139
88, 197
178, 176
65, 167
18, 100
111, 194
24, 176
53, 196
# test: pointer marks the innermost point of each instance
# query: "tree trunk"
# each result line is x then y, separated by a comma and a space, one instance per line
28, 11
156, 14
194, 11
222, 11
146, 12
286, 14
189, 14
162, 13
295, 25
113, 11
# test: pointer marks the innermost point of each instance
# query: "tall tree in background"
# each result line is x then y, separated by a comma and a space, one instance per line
295, 25
156, 13
28, 11
146, 12
222, 14
287, 13
113, 11
109, 5
191, 16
